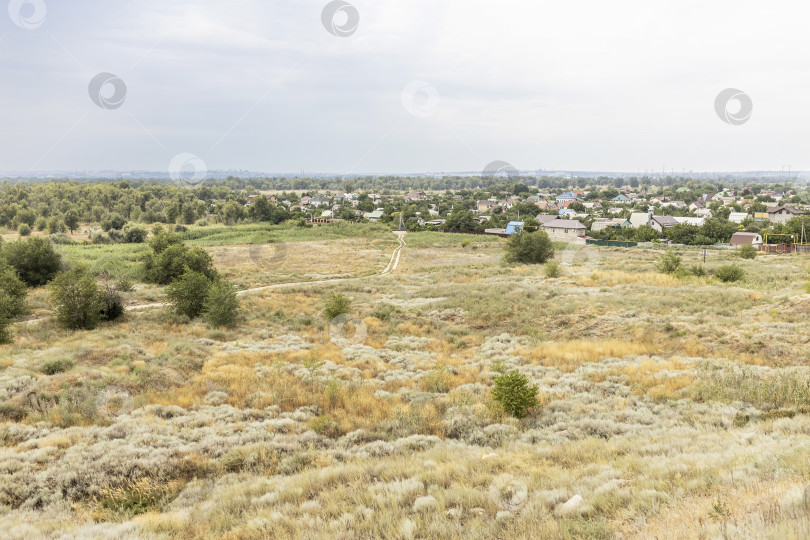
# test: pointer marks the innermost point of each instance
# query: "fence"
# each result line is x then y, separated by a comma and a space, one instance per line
613, 243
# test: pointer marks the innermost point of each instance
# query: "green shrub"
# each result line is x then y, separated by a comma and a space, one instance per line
514, 393
729, 273
12, 286
747, 252
697, 270
189, 293
222, 305
24, 229
34, 259
669, 262
52, 367
78, 300
336, 304
553, 269
41, 224
529, 248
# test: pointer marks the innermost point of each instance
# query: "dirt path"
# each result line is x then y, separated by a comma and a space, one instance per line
392, 265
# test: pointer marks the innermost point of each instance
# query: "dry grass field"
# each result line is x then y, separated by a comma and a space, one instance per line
670, 407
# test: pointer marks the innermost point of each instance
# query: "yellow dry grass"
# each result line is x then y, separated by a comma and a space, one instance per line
569, 355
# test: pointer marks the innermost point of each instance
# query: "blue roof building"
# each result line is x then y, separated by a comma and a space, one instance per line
514, 227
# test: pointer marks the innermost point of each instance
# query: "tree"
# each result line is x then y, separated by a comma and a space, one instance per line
189, 214
645, 233
529, 248
189, 293
514, 393
34, 259
24, 229
461, 220
135, 235
71, 221
78, 300
222, 305
5, 318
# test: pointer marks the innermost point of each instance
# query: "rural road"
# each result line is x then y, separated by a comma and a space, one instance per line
392, 265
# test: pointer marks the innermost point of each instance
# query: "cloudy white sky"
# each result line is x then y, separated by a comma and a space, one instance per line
262, 85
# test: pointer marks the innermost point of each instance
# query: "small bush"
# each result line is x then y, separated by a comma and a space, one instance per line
189, 294
78, 300
747, 252
336, 304
222, 305
180, 228
729, 273
24, 229
513, 392
112, 303
697, 270
553, 269
52, 367
669, 262
12, 413
529, 248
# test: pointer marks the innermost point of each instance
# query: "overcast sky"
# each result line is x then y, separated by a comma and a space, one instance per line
420, 85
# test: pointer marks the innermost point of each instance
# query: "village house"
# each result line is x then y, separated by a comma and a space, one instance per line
659, 223
746, 238
640, 219
567, 197
564, 229
738, 217
781, 214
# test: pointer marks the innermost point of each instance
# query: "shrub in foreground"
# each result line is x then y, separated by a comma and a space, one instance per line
78, 300
553, 269
529, 248
729, 273
747, 252
336, 304
514, 393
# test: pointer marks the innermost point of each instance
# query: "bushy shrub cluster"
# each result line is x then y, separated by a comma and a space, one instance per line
529, 248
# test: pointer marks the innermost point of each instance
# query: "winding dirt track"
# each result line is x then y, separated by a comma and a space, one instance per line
392, 265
